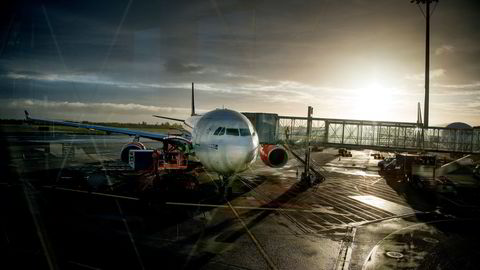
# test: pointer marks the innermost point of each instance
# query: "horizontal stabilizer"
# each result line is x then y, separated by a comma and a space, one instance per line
169, 118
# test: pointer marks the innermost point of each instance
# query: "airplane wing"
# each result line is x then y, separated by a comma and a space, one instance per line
137, 133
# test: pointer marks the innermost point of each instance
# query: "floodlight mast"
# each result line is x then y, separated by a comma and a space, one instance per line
427, 56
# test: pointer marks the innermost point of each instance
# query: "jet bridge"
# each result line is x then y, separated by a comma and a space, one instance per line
377, 135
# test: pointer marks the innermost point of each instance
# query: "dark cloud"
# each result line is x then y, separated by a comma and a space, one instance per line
177, 67
21, 73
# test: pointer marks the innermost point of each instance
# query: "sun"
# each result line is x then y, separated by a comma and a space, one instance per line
372, 102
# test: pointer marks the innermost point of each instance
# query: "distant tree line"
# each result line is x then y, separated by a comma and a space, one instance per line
135, 125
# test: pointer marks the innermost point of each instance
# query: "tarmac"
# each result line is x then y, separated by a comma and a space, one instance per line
57, 215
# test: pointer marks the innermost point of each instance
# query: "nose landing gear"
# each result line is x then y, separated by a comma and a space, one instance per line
225, 189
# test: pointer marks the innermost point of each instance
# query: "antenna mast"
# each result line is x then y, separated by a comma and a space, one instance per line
193, 99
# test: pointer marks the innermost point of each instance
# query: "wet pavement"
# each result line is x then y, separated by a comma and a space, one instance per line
355, 219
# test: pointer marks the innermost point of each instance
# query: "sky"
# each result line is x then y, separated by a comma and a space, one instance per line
124, 60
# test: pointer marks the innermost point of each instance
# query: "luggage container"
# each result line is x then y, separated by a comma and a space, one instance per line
140, 159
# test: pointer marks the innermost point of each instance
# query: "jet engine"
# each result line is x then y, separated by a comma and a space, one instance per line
273, 155
130, 146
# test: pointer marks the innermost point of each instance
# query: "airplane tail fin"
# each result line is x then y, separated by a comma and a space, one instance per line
193, 109
27, 115
419, 115
193, 99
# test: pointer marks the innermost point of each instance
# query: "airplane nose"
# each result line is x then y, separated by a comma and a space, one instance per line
241, 156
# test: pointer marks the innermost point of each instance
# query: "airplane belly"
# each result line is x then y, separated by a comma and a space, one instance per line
231, 159
225, 159
234, 158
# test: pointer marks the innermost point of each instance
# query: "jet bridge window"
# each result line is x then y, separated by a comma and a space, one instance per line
232, 131
244, 132
220, 131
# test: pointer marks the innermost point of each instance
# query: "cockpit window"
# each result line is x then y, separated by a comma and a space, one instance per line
244, 132
232, 131
219, 131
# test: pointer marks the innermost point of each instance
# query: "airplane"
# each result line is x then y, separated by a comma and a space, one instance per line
223, 140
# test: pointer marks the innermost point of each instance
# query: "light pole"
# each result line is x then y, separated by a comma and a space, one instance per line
426, 14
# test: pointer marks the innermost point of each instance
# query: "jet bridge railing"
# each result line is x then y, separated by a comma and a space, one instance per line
381, 135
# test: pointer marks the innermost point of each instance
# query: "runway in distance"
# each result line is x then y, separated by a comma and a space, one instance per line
223, 140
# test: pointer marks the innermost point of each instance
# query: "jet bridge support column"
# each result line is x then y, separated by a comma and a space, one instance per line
327, 127
306, 173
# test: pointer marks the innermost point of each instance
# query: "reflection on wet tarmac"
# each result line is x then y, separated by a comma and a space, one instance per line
391, 207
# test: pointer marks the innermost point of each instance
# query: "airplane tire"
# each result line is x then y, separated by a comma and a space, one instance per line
221, 190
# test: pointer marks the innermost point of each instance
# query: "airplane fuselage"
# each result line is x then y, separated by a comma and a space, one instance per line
224, 141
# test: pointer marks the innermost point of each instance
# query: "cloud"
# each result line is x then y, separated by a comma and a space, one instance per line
248, 91
435, 73
457, 90
260, 89
53, 77
101, 107
444, 49
177, 67
87, 79
465, 108
460, 86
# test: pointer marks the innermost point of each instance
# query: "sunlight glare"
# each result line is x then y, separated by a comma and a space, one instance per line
372, 102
